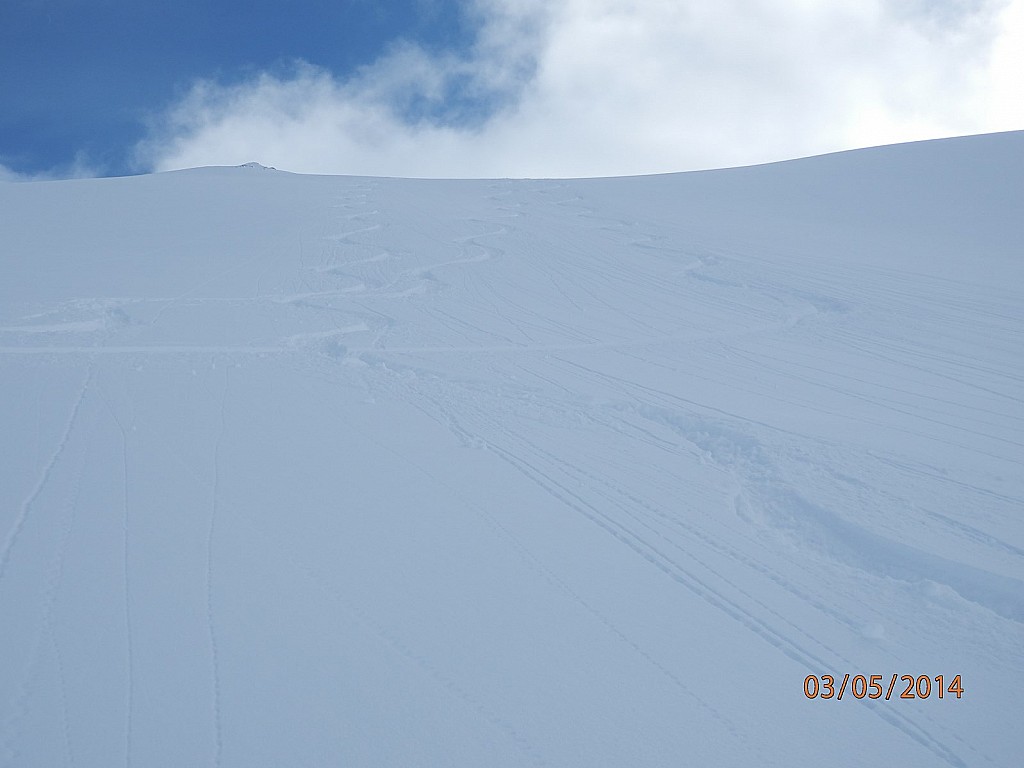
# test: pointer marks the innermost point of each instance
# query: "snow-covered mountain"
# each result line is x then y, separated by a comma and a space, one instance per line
334, 471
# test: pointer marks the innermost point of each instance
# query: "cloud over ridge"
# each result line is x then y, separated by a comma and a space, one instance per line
613, 87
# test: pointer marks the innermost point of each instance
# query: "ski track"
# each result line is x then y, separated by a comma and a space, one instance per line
401, 648
19, 709
23, 513
700, 587
210, 624
654, 553
66, 531
452, 423
130, 655
848, 541
816, 662
129, 695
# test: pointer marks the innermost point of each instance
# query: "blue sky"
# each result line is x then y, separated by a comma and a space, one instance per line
492, 87
81, 77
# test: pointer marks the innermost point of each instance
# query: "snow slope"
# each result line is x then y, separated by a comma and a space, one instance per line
333, 471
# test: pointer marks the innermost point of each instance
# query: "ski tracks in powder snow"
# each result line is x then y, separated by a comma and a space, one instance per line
215, 501
46, 637
626, 516
23, 513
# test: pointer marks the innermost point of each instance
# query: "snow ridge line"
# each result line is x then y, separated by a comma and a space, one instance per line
23, 513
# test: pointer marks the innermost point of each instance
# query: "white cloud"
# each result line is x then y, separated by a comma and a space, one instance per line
6, 174
602, 87
1005, 107
80, 168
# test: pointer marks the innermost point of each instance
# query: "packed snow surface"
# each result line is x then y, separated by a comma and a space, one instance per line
335, 471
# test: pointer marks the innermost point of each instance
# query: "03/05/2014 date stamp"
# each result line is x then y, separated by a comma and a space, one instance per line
873, 687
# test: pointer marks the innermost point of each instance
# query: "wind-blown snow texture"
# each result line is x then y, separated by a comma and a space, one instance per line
332, 471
